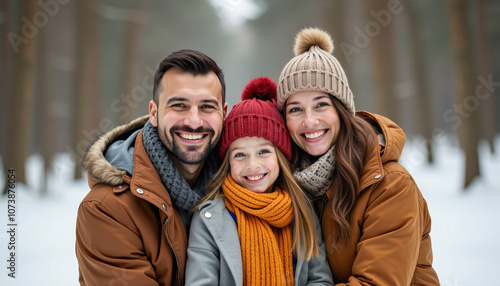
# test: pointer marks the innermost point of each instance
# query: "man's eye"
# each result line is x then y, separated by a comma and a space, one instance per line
178, 105
208, 107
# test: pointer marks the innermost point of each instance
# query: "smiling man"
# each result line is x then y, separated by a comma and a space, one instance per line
188, 115
147, 175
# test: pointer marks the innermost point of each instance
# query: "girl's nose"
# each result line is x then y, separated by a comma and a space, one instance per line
253, 163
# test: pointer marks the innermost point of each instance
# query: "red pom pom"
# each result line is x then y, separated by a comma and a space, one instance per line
262, 88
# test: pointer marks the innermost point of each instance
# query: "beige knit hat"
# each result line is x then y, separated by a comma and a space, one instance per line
314, 68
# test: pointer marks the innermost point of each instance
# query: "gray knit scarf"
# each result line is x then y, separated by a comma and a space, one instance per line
315, 178
181, 193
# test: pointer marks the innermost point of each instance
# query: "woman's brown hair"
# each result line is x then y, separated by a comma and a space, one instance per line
304, 237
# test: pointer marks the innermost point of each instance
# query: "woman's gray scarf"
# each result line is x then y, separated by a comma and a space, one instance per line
180, 192
315, 178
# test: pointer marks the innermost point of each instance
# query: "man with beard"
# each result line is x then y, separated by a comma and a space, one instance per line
147, 175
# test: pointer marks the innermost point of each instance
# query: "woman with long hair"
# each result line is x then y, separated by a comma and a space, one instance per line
375, 222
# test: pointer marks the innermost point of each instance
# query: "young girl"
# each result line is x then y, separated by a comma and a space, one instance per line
255, 227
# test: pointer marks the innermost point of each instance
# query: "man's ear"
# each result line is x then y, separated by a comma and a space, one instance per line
153, 113
224, 111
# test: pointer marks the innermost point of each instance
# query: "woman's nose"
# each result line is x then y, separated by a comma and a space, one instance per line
310, 120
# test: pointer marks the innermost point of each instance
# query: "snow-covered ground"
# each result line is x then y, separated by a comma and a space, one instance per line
465, 231
465, 225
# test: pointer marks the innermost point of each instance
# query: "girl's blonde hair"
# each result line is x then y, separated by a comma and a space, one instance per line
305, 240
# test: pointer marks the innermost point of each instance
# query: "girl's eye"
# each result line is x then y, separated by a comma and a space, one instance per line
264, 151
239, 155
293, 109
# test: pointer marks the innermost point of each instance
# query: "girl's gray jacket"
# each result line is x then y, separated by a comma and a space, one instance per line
214, 253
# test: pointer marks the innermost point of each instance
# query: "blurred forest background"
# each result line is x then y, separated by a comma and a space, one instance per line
73, 69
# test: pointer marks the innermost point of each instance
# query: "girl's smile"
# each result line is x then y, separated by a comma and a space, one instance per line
254, 163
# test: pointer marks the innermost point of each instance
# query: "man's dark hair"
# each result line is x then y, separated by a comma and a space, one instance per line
193, 62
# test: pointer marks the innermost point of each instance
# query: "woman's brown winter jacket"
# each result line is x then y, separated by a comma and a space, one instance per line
389, 243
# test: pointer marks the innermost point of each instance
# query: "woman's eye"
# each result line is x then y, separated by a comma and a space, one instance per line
293, 109
322, 104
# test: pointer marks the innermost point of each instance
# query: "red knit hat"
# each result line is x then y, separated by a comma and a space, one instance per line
256, 116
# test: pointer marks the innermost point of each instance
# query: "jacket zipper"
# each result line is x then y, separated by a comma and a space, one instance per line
173, 251
324, 200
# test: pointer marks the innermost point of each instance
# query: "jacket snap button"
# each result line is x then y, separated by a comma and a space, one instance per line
378, 176
139, 191
208, 214
164, 206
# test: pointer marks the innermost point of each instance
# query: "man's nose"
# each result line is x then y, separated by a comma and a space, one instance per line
193, 118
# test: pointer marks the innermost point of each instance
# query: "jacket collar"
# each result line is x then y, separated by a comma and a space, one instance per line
146, 178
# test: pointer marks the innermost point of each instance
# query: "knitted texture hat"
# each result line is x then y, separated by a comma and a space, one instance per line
256, 116
314, 68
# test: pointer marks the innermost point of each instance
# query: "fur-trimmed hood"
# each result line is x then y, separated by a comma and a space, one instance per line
94, 161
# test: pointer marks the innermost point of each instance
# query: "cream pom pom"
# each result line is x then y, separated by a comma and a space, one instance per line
309, 37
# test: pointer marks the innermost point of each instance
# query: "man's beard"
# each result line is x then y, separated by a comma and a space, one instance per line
189, 156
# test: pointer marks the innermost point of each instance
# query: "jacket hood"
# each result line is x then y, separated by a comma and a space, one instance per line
394, 136
120, 153
94, 161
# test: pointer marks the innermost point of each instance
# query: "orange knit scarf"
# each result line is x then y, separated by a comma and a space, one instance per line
265, 232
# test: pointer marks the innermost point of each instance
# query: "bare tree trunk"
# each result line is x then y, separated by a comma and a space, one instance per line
132, 18
46, 118
6, 56
130, 64
487, 108
336, 23
87, 106
20, 126
382, 59
421, 87
464, 83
